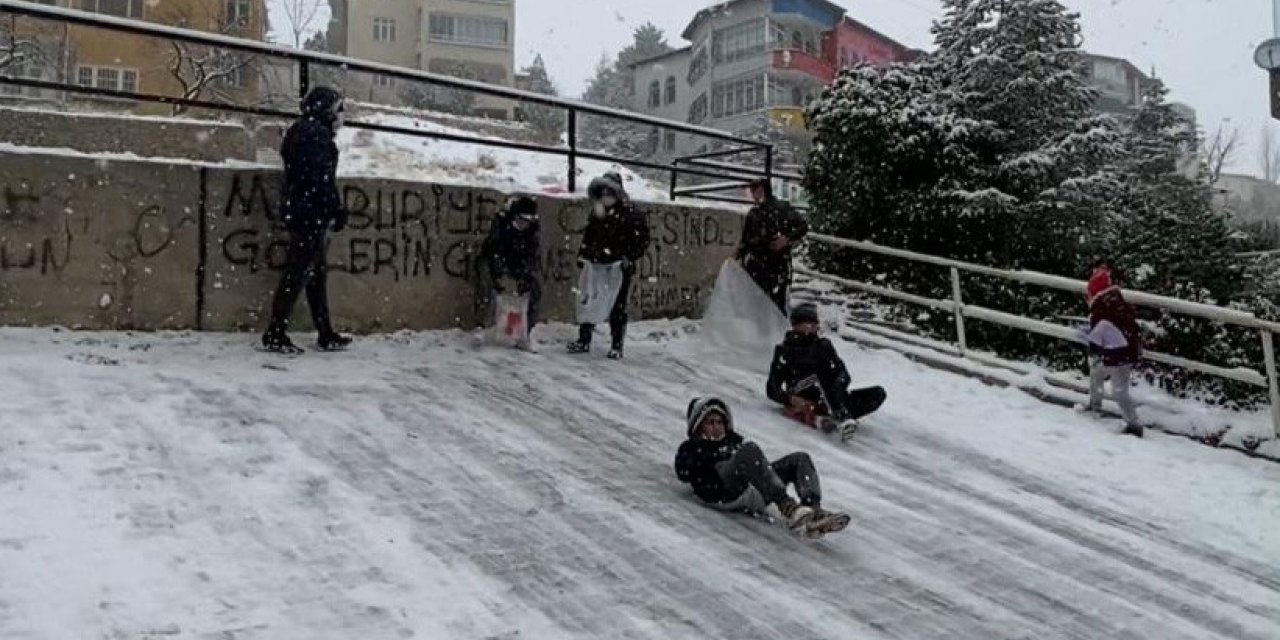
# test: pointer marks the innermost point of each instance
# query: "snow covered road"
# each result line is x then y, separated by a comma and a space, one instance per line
184, 486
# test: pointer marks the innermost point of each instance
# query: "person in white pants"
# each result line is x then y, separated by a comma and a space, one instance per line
1115, 346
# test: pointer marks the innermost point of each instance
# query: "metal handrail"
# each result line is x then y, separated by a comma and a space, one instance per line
573, 108
957, 306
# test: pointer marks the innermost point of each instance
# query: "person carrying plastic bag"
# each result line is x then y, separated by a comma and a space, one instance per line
616, 238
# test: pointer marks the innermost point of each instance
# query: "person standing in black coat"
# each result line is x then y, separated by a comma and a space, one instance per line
511, 252
310, 205
729, 473
616, 233
769, 232
810, 380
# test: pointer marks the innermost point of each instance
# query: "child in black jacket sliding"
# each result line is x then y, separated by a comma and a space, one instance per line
808, 378
731, 474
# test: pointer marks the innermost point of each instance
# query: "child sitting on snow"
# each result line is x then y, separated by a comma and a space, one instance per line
731, 474
808, 378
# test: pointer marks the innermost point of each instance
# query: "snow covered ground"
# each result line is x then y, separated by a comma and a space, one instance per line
367, 153
182, 485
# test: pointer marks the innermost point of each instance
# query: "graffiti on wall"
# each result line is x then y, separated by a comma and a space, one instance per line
28, 242
394, 232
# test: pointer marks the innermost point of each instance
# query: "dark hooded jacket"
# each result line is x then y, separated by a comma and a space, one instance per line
310, 200
622, 233
766, 221
510, 252
800, 356
1111, 306
696, 459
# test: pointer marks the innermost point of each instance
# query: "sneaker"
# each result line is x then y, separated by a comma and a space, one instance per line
826, 424
615, 353
798, 516
579, 347
847, 428
824, 522
279, 343
333, 342
1133, 430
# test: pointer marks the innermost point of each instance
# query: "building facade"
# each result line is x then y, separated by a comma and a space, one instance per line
471, 39
753, 64
112, 60
1120, 84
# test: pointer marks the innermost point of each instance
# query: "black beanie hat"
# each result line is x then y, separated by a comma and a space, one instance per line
804, 312
524, 206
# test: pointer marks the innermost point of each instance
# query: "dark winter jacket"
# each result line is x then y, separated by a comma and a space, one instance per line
1111, 306
310, 200
623, 233
510, 252
766, 221
801, 356
696, 459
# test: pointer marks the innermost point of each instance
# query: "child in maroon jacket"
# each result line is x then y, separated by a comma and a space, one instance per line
1115, 346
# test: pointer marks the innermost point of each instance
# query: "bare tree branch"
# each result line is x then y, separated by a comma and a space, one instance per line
301, 15
1220, 150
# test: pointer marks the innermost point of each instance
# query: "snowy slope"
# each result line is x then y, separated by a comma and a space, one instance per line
367, 153
184, 486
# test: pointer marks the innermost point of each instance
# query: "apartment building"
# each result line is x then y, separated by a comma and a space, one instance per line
471, 39
754, 59
113, 60
1120, 84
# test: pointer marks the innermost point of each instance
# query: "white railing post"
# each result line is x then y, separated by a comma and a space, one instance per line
958, 299
1269, 354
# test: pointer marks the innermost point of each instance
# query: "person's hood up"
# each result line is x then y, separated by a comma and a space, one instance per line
700, 408
320, 103
611, 181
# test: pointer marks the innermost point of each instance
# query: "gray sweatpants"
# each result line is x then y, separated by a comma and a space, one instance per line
759, 483
1098, 375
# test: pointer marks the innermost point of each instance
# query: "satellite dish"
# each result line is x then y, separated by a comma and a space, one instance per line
1267, 55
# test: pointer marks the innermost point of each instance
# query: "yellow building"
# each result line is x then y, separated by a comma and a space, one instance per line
125, 62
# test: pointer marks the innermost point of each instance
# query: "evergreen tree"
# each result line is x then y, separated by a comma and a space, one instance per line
614, 86
549, 122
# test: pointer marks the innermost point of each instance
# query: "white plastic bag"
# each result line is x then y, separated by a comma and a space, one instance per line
511, 318
598, 287
741, 315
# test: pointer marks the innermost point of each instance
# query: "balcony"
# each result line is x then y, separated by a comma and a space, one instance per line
799, 62
787, 117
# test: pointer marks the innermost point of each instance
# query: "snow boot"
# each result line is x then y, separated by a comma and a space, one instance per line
333, 342
1133, 430
579, 346
279, 342
797, 515
615, 353
824, 522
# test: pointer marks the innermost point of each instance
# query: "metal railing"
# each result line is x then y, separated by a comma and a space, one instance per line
963, 311
308, 60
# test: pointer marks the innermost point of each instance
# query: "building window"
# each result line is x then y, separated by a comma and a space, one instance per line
655, 140
108, 78
121, 8
671, 89
738, 96
23, 70
698, 65
384, 81
239, 12
655, 94
384, 30
739, 41
469, 30
671, 141
698, 110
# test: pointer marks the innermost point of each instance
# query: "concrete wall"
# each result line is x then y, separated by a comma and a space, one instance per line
152, 137
113, 245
